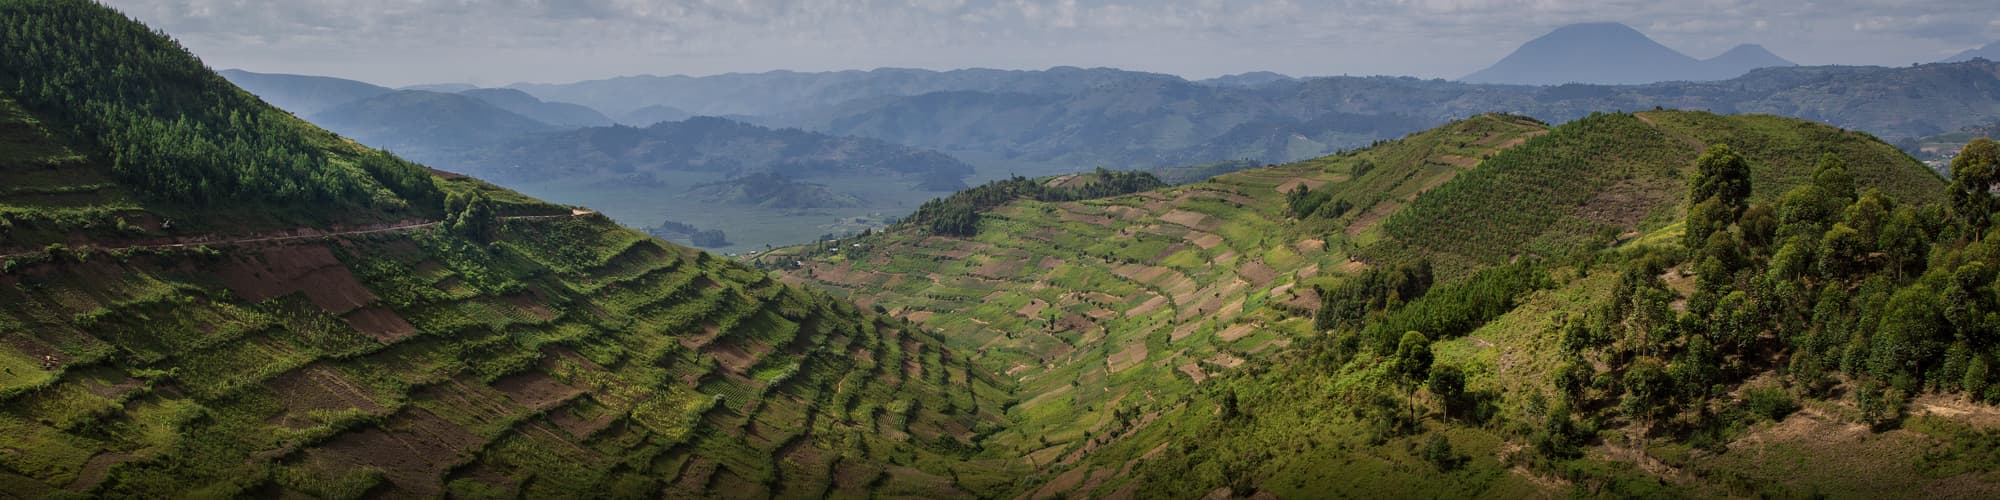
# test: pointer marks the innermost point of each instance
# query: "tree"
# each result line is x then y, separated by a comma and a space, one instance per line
1830, 175
1973, 174
1447, 383
475, 220
1413, 364
1722, 174
1718, 194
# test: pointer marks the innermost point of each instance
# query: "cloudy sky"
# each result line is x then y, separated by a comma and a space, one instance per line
495, 42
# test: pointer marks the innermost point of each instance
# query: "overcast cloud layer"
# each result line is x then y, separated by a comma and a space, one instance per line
495, 42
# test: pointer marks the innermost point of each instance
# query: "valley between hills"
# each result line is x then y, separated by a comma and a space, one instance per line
202, 295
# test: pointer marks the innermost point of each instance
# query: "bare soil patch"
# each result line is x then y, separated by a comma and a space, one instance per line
1192, 220
317, 387
1257, 273
1236, 332
1148, 307
1204, 240
1127, 358
1623, 204
534, 389
381, 324
1003, 267
1033, 309
1224, 360
413, 450
1193, 371
1310, 246
284, 270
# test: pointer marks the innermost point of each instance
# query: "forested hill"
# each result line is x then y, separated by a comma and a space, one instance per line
203, 296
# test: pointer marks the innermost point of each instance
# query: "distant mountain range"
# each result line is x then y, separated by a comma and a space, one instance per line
753, 94
1613, 53
1070, 118
1990, 52
300, 94
708, 145
1144, 123
427, 126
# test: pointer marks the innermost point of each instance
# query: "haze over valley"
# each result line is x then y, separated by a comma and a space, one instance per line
1043, 249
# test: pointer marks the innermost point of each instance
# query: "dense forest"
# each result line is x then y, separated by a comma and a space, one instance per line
171, 128
958, 214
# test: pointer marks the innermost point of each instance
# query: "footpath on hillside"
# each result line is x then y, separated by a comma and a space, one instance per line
295, 234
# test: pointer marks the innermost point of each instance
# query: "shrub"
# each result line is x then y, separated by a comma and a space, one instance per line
1769, 402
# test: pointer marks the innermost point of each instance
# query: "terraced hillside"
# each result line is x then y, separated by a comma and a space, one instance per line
1140, 329
403, 338
1111, 313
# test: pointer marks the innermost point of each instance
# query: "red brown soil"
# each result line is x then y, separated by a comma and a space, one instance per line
1127, 358
318, 387
1193, 220
1237, 332
285, 270
381, 324
1002, 267
536, 390
412, 450
1258, 273
1224, 360
1147, 307
580, 426
730, 356
1193, 371
1624, 204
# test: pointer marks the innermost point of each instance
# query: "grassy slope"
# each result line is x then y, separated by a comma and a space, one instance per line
1615, 173
1152, 287
570, 357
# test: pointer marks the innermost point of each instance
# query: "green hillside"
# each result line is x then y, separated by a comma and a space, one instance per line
201, 296
1245, 336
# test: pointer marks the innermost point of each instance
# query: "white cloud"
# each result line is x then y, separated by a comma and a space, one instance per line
498, 41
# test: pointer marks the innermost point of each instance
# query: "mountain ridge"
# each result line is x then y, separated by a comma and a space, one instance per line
1613, 53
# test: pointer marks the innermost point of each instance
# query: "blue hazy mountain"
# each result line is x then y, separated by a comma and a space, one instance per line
300, 94
560, 114
1990, 52
1615, 54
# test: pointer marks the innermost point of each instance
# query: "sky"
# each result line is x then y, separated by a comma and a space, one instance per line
497, 42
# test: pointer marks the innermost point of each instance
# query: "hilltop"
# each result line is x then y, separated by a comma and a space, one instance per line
278, 311
1990, 52
1153, 334
1613, 53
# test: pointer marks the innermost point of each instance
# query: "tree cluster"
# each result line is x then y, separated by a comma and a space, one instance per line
171, 128
958, 214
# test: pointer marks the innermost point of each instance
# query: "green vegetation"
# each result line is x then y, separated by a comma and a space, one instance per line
505, 348
172, 129
1443, 352
958, 214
